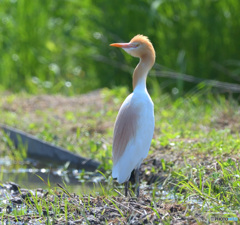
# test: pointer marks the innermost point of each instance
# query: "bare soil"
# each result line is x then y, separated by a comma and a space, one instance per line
88, 209
101, 209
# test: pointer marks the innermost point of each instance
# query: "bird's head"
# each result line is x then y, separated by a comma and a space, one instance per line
140, 46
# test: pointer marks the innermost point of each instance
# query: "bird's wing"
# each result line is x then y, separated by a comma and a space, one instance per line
125, 129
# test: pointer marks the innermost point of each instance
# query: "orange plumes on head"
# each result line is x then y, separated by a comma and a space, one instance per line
146, 43
140, 38
141, 47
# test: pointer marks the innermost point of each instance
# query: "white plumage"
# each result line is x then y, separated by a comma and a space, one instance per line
134, 126
138, 146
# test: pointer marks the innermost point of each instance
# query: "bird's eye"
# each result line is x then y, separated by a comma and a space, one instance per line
137, 45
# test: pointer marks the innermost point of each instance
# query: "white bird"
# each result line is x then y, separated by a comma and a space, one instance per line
134, 126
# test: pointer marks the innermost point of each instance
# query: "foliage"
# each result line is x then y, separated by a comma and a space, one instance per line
63, 46
195, 149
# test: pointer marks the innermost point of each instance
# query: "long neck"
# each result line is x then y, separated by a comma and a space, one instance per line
141, 71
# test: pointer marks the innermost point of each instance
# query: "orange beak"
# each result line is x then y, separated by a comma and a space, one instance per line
122, 45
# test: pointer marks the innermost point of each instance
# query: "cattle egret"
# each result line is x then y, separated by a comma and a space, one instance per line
134, 126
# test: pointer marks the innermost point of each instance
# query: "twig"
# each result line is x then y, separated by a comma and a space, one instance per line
126, 206
161, 71
64, 189
214, 83
119, 192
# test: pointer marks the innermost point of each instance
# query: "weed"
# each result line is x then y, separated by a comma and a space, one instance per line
193, 160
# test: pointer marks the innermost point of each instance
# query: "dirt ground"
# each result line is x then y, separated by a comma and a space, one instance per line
101, 209
88, 209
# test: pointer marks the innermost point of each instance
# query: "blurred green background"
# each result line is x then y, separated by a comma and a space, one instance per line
62, 46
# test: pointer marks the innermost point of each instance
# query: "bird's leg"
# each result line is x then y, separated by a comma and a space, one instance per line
126, 188
137, 181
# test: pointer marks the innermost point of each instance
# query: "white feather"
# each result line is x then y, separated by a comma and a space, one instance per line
138, 146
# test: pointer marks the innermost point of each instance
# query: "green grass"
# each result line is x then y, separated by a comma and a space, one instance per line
67, 51
196, 143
